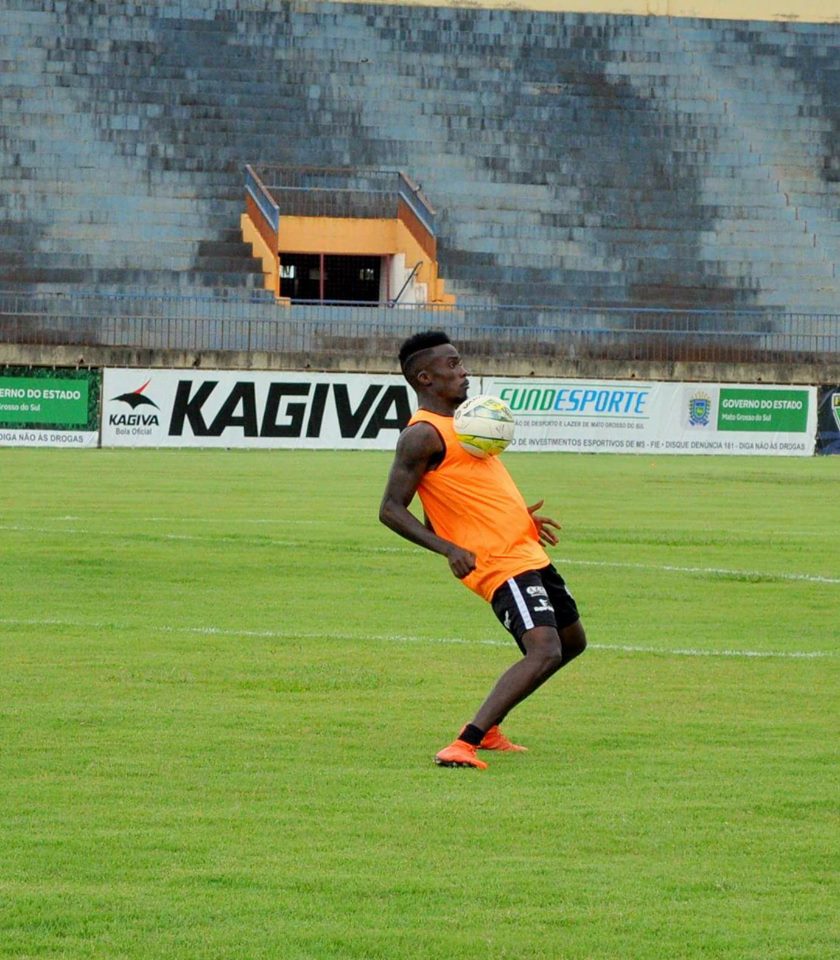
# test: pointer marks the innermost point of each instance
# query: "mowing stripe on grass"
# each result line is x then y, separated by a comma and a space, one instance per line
570, 561
703, 571
408, 638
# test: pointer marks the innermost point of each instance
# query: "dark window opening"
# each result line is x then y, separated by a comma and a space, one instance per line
313, 276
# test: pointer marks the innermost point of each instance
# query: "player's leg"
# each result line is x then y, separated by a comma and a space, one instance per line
566, 616
530, 607
572, 640
543, 657
546, 651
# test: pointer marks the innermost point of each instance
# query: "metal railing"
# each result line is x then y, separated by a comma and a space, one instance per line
335, 192
258, 192
226, 323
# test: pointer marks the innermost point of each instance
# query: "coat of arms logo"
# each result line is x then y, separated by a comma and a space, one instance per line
700, 409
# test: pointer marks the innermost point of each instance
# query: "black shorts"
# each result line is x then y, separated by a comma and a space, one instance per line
536, 598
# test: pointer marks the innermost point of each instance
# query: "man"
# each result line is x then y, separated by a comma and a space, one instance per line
477, 519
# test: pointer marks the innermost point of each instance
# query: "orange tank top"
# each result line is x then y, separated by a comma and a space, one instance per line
475, 504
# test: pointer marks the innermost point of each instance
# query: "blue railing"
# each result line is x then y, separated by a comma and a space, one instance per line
530, 332
337, 192
410, 192
262, 198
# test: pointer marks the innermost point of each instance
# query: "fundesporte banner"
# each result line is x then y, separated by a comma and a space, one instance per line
652, 417
49, 407
188, 408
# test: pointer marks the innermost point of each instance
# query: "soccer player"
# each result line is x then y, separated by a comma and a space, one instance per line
477, 519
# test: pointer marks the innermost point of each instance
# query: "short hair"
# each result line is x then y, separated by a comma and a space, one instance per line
417, 344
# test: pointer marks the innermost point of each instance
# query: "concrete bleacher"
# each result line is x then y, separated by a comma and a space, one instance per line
572, 158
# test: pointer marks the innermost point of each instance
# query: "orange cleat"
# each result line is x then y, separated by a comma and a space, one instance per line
459, 754
494, 739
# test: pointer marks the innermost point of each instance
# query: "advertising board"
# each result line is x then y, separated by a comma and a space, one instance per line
828, 421
188, 408
47, 407
653, 417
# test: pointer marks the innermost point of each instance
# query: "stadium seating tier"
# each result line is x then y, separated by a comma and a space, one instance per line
572, 158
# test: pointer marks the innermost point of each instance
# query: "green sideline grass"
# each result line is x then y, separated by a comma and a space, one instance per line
222, 683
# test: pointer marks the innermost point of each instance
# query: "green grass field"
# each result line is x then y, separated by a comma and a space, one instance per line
222, 683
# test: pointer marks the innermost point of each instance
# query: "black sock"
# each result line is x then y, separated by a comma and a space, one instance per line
471, 734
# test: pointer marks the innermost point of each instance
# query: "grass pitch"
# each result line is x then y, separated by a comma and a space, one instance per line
222, 683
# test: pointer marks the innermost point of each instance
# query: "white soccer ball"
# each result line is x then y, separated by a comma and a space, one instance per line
484, 426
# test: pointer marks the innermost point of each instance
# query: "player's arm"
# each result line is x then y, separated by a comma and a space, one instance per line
417, 448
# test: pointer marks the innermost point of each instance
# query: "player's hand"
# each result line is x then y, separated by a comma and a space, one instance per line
544, 524
461, 562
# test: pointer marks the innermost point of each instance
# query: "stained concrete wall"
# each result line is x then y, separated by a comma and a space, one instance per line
359, 362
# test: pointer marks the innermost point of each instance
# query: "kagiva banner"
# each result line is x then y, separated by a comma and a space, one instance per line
189, 408
633, 417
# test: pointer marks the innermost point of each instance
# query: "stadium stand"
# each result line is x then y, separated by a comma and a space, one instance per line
572, 158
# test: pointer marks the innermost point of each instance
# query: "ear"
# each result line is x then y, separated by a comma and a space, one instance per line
423, 377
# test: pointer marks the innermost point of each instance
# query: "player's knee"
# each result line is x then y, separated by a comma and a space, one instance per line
573, 641
551, 655
544, 647
554, 659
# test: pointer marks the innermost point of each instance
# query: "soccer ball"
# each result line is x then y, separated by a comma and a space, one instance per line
484, 426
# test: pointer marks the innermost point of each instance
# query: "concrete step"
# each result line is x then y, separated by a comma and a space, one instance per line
147, 279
